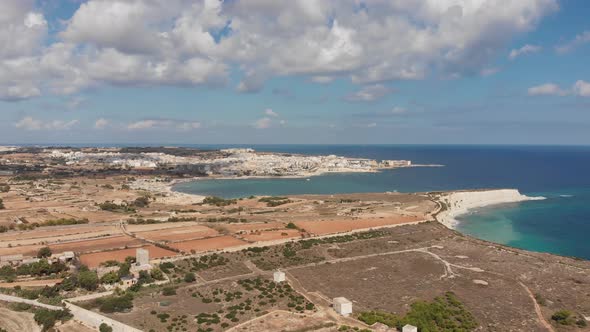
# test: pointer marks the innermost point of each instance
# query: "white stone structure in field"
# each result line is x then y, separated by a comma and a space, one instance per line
343, 306
409, 328
278, 276
142, 256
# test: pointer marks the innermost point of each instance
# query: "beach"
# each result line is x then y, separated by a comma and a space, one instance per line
461, 202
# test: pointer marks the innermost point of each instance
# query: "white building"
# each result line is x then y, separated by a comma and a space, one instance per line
342, 306
278, 276
142, 257
409, 328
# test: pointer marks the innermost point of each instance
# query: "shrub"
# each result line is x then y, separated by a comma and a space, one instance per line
44, 252
218, 201
110, 278
65, 221
47, 318
105, 328
88, 280
141, 202
157, 274
112, 304
190, 277
445, 313
291, 226
168, 291
1, 204
563, 317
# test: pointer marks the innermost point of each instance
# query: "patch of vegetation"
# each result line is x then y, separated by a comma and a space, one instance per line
44, 252
141, 202
168, 291
227, 219
564, 317
218, 201
40, 268
275, 200
4, 188
2, 204
445, 314
105, 328
65, 221
342, 239
110, 304
47, 318
88, 280
113, 207
347, 200
190, 277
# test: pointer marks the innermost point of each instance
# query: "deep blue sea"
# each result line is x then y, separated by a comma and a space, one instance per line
560, 224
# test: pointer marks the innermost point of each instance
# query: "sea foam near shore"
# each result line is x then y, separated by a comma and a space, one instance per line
460, 202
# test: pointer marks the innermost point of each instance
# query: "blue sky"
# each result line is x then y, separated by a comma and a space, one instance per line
261, 71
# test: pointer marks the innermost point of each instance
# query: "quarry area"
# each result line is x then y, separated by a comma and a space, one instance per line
104, 251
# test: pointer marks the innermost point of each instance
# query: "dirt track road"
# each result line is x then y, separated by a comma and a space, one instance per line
13, 321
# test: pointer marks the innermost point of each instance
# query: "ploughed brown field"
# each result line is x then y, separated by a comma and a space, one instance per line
236, 228
46, 232
93, 260
178, 233
272, 235
108, 243
338, 226
212, 243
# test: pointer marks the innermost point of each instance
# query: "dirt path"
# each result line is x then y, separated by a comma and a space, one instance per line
538, 309
13, 321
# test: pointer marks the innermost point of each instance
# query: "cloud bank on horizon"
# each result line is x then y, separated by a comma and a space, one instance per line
240, 47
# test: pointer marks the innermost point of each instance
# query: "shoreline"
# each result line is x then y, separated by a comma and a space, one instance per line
459, 203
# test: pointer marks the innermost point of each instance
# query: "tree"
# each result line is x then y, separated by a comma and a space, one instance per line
110, 278
47, 318
144, 278
69, 284
141, 202
88, 280
7, 273
190, 277
44, 252
157, 274
112, 304
105, 328
124, 270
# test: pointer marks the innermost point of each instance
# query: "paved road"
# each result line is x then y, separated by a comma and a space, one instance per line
14, 299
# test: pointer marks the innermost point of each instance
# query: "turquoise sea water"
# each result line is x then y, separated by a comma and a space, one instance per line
560, 224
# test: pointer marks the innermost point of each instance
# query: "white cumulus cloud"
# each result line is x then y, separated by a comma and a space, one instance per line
569, 46
582, 88
29, 123
263, 123
370, 93
199, 42
547, 89
101, 123
270, 112
526, 49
